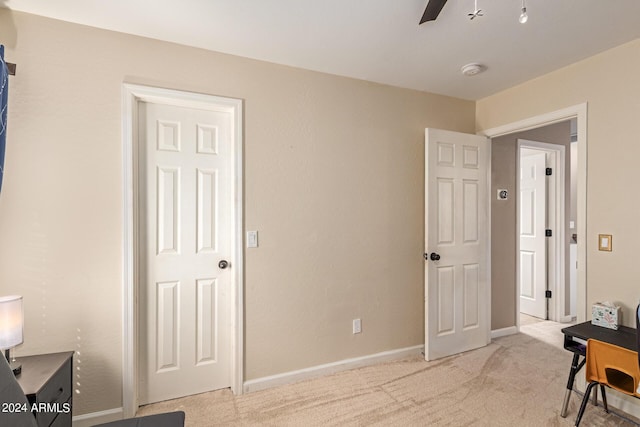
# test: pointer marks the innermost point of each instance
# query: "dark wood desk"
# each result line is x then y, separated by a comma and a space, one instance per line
575, 340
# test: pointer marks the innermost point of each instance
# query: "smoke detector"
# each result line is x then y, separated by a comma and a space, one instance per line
472, 69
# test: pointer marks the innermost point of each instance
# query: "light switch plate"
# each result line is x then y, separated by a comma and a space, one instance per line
252, 239
357, 326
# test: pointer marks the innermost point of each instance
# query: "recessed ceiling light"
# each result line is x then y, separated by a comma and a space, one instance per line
472, 69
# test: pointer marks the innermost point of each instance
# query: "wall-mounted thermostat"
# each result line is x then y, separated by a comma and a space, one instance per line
503, 194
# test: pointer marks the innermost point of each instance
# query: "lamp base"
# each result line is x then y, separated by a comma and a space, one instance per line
16, 368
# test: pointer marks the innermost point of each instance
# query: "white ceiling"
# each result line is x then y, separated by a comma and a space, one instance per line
376, 40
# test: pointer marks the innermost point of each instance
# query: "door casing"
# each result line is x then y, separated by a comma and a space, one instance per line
579, 112
131, 96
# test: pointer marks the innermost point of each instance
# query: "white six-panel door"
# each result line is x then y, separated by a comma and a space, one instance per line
185, 218
457, 290
532, 274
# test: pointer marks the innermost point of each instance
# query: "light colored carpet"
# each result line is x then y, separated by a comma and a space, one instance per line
518, 380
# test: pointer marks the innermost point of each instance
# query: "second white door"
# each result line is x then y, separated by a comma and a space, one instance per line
185, 167
532, 276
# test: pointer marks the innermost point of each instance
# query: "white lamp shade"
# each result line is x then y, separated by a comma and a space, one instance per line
11, 321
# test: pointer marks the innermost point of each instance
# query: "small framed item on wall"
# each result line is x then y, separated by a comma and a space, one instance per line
604, 242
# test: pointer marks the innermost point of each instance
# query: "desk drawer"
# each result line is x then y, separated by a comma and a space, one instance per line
54, 395
63, 419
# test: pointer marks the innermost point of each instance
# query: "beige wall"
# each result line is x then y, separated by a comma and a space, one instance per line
504, 152
608, 82
333, 182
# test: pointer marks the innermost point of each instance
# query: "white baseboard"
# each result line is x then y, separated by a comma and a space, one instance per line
627, 404
618, 402
329, 368
88, 420
497, 333
567, 319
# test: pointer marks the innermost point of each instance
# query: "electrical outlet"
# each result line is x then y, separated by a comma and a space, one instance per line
357, 326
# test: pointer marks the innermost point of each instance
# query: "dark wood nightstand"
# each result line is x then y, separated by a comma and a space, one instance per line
47, 381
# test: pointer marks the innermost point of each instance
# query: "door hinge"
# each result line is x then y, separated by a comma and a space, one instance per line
547, 294
548, 171
548, 232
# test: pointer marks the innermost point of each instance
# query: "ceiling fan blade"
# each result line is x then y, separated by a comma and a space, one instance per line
432, 11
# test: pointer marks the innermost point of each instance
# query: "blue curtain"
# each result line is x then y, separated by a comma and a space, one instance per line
4, 97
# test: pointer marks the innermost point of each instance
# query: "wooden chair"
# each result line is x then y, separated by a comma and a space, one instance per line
611, 366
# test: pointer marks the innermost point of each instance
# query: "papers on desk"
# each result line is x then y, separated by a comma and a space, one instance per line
579, 340
580, 344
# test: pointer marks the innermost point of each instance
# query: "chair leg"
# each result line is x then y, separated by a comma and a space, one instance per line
604, 399
585, 399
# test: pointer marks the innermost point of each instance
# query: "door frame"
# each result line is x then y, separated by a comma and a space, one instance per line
555, 269
131, 96
579, 112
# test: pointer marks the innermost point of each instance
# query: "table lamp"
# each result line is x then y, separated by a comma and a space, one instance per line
11, 321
